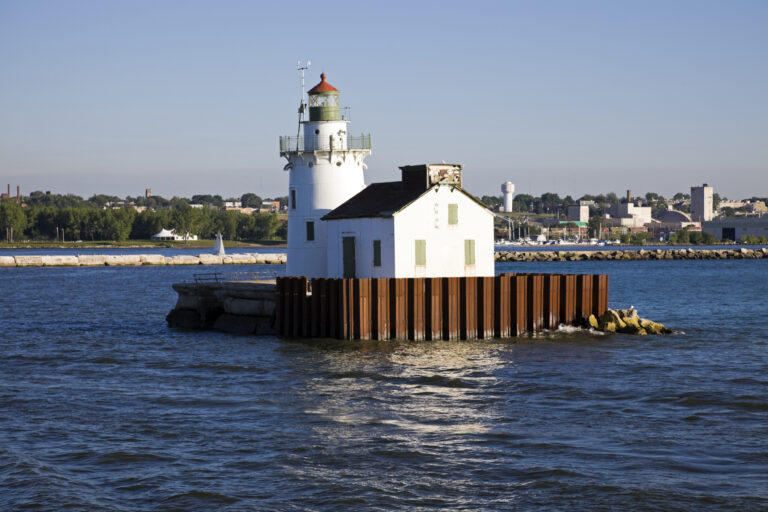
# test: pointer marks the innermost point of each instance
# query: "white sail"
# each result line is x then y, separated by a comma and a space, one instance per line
218, 248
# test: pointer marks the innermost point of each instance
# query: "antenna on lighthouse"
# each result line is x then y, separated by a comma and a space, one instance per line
303, 104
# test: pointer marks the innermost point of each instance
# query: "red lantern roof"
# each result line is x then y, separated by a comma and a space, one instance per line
323, 86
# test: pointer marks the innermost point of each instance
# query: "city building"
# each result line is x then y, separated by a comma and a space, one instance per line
425, 225
671, 220
628, 214
325, 168
702, 199
578, 213
734, 229
508, 192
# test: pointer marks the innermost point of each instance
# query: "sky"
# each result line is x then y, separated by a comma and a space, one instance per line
573, 97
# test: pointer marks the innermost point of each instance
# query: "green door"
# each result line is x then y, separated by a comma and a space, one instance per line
349, 256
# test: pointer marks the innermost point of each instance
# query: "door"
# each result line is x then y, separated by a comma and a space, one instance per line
348, 244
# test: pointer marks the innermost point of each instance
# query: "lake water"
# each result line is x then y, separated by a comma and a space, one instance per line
102, 407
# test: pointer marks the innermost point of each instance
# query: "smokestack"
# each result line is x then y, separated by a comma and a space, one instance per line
18, 194
9, 191
629, 196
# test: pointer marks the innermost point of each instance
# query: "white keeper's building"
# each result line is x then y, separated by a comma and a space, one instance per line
425, 225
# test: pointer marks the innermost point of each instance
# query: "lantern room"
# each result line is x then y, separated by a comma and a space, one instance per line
324, 102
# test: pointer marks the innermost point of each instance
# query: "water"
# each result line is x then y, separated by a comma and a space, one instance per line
102, 407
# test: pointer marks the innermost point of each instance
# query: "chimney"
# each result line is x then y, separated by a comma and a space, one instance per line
18, 194
9, 191
629, 196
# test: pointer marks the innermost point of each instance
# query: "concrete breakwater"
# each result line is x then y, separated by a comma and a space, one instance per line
243, 307
633, 254
122, 260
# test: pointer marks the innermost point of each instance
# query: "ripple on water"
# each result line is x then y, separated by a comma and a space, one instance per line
104, 408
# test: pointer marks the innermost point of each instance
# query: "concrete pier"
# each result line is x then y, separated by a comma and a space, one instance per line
132, 260
243, 307
448, 308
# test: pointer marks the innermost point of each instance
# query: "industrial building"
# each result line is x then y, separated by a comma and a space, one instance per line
702, 201
734, 229
628, 214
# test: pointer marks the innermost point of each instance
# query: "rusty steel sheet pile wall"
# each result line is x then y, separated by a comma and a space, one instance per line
447, 308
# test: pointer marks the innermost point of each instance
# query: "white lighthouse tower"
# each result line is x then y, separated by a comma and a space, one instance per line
325, 168
508, 190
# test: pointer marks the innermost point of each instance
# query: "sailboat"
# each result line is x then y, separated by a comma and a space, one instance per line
218, 247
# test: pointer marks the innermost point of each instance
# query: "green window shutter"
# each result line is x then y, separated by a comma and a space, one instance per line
453, 214
469, 252
377, 253
421, 252
310, 231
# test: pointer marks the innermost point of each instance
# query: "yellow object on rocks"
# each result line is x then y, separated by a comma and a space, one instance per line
626, 321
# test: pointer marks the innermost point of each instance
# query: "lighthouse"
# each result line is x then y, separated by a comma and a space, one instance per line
325, 167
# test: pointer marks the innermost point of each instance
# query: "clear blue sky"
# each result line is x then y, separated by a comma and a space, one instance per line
562, 96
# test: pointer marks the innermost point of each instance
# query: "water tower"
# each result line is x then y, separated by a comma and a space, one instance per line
508, 189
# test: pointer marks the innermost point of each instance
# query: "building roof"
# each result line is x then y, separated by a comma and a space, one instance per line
673, 216
383, 200
376, 200
322, 87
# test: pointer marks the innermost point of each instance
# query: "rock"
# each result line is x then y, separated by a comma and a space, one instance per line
184, 259
29, 261
611, 316
653, 327
7, 261
152, 259
627, 313
122, 260
60, 261
632, 326
593, 322
91, 260
238, 259
210, 259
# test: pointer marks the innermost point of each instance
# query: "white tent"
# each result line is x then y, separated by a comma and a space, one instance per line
165, 234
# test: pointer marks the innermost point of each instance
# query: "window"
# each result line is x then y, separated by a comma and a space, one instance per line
293, 199
377, 253
421, 252
453, 214
310, 231
469, 252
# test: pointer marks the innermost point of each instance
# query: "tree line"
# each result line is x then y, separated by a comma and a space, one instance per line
69, 217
